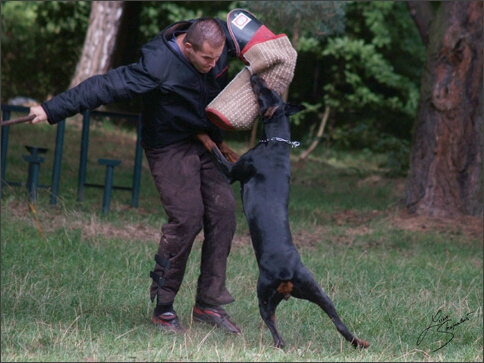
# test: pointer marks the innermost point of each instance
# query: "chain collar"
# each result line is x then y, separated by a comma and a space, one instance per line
292, 143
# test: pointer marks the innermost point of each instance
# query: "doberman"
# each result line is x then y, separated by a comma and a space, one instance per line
264, 173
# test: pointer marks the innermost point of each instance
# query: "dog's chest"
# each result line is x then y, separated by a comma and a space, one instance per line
265, 199
271, 157
269, 178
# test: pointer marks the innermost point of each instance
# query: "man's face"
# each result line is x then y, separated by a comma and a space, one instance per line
205, 58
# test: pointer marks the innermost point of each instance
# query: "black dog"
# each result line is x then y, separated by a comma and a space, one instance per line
264, 173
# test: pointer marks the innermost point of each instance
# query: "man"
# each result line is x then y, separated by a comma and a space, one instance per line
178, 73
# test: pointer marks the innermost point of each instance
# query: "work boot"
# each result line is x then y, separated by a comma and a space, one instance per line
215, 316
168, 321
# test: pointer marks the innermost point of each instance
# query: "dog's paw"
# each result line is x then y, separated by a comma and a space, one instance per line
279, 344
360, 343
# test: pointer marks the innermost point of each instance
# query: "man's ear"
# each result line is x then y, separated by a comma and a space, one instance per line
188, 46
292, 109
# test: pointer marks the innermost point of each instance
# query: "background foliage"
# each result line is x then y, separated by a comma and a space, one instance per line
363, 59
41, 44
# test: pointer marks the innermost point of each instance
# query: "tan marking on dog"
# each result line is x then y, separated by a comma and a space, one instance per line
285, 288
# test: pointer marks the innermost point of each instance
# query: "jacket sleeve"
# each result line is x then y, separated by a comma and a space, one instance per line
119, 84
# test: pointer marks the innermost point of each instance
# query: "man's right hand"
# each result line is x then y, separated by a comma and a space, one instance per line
39, 113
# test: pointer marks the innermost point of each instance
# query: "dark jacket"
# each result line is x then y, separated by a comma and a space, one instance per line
174, 93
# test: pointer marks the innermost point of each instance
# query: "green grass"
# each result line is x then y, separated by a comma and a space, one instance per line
75, 282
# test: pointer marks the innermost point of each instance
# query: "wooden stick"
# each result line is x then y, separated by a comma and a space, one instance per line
315, 143
17, 120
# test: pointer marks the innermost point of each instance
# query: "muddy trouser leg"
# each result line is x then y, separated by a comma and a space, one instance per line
177, 173
219, 227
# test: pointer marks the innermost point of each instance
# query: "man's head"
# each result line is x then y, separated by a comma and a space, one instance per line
204, 43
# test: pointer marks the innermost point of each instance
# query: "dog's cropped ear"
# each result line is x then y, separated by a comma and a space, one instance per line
292, 109
270, 112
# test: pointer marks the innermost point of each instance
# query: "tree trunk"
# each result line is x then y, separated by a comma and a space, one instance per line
100, 40
445, 178
126, 50
422, 13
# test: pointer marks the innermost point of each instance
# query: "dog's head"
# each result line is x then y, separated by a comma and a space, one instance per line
270, 101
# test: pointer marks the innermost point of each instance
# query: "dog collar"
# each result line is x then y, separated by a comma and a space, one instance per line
292, 143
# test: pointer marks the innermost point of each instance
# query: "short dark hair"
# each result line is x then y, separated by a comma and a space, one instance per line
203, 30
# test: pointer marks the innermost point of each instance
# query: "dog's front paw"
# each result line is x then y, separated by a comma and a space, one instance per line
225, 165
229, 154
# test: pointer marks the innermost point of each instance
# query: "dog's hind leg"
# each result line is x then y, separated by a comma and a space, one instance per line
305, 287
269, 299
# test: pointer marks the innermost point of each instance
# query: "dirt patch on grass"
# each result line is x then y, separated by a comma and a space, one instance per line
359, 223
463, 225
134, 232
355, 222
94, 227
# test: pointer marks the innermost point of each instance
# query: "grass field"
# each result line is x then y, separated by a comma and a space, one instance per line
75, 282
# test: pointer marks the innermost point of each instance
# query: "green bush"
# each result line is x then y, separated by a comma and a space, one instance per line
41, 44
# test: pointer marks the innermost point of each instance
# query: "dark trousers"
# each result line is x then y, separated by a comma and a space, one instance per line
195, 194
